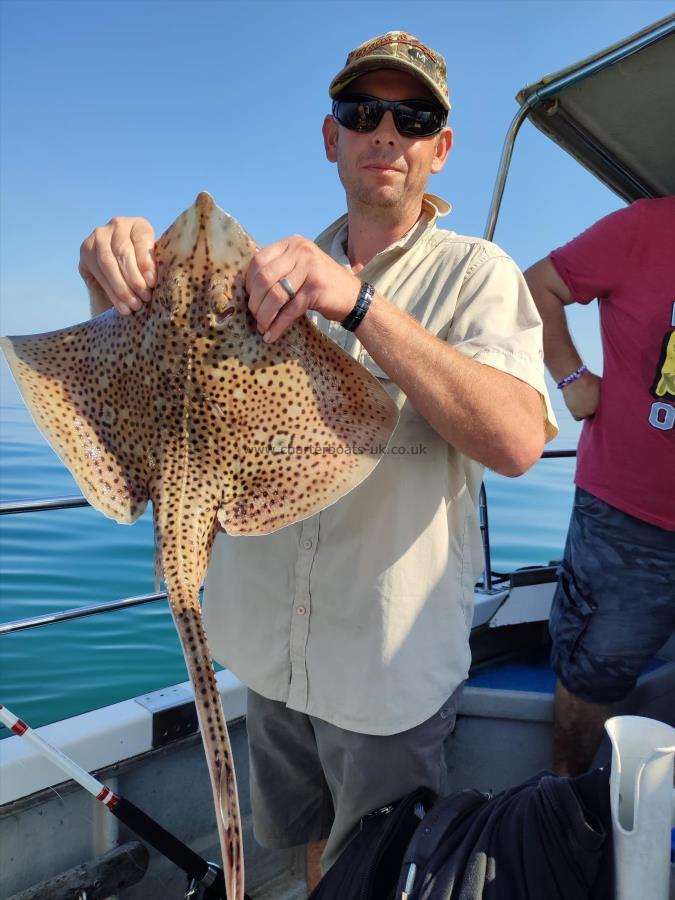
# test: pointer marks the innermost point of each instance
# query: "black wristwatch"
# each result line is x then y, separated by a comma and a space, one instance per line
355, 317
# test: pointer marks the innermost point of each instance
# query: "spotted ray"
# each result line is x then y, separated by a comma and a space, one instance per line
183, 404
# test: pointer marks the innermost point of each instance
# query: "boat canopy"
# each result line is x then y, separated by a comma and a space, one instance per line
615, 112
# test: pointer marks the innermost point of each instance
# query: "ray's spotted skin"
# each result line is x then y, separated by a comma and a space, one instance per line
185, 405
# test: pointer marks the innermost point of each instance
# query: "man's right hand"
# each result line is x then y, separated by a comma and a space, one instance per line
119, 257
582, 396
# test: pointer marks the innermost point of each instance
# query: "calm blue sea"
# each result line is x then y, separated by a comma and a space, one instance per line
59, 560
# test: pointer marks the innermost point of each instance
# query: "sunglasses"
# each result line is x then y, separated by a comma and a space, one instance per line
413, 118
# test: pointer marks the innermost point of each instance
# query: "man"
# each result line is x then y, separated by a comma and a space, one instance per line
615, 602
351, 628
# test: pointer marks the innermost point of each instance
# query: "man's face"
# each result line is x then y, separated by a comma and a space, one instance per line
383, 168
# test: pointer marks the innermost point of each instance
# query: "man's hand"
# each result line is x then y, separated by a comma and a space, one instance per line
319, 282
582, 396
119, 257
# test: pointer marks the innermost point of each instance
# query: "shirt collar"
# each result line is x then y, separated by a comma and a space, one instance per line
334, 239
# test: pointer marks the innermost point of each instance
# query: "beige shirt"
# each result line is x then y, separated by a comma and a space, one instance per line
360, 615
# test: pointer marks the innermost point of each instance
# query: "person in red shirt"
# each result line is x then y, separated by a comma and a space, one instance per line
614, 605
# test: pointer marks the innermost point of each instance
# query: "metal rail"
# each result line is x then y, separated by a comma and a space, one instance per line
15, 507
79, 612
503, 171
558, 454
484, 525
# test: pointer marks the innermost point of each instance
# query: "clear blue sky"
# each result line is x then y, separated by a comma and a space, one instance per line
132, 108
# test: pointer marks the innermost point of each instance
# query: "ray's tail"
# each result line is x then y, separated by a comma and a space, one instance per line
184, 534
187, 616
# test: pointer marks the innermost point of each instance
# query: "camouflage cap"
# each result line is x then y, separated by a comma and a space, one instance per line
396, 50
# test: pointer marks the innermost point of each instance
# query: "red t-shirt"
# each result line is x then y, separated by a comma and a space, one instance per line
627, 260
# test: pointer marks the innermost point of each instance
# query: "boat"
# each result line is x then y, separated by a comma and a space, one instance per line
614, 113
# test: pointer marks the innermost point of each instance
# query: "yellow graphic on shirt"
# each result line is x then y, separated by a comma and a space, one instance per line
664, 384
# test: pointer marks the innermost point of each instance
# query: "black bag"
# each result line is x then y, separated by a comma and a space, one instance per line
546, 839
369, 866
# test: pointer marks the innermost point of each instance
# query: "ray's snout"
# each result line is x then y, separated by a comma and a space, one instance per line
206, 234
202, 261
205, 203
209, 221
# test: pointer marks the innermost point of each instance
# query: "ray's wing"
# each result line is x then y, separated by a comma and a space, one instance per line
290, 427
84, 387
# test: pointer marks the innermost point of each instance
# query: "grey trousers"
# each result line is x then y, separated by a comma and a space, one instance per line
312, 781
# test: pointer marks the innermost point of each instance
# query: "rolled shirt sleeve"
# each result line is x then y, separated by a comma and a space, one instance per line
497, 323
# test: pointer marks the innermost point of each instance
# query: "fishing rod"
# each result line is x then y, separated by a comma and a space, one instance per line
206, 879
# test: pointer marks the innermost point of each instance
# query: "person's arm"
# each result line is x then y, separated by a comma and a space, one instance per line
491, 416
551, 295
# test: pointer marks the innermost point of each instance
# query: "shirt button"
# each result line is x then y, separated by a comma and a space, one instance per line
307, 545
301, 610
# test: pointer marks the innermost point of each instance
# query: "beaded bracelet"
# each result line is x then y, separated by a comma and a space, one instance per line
573, 377
355, 317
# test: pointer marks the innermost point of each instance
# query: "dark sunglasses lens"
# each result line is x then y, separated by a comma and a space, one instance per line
414, 118
418, 119
358, 115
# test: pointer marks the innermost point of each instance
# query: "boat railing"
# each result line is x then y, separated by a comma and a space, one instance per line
17, 507
80, 612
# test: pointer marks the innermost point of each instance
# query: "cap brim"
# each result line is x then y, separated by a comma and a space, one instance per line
361, 66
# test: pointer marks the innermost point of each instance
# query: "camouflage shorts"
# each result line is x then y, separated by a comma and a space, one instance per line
614, 606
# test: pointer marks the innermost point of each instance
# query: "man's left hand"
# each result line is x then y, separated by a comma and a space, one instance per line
319, 283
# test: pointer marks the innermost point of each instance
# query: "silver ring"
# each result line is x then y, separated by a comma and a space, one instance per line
288, 287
